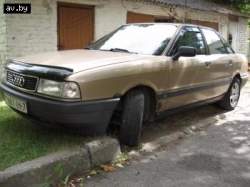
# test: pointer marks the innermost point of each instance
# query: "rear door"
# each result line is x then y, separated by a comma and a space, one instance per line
222, 60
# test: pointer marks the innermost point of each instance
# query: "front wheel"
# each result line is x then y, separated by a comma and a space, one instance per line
232, 96
132, 116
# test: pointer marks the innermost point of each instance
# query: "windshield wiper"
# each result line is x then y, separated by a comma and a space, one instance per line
88, 48
117, 50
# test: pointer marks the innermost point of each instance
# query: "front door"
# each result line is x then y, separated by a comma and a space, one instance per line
189, 76
75, 26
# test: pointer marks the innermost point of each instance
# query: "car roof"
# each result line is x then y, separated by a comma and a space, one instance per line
176, 24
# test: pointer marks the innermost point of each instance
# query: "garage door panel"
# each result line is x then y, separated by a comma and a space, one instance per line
75, 27
212, 25
139, 18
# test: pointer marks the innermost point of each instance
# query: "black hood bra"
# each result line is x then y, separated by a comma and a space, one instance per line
41, 71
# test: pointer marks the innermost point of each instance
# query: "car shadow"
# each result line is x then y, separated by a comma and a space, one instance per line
179, 122
189, 118
222, 159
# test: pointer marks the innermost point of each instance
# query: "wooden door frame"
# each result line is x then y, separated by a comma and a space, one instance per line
72, 5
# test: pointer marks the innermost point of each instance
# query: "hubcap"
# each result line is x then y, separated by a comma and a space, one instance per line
234, 95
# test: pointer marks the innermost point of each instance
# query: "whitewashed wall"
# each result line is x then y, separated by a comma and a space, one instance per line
3, 49
248, 44
37, 32
31, 33
242, 36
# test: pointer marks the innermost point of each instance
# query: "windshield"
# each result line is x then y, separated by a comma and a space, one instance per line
149, 39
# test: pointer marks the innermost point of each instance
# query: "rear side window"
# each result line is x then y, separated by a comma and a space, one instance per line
228, 47
214, 42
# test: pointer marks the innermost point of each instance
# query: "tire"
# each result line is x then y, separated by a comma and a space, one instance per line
232, 96
132, 116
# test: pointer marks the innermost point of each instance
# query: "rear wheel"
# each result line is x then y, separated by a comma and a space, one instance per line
132, 116
232, 96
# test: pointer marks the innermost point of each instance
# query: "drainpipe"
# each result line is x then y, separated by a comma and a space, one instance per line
185, 18
248, 53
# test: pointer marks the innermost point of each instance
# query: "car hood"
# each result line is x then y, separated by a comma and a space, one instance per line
80, 60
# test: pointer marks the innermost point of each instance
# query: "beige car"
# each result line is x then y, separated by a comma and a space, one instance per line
137, 73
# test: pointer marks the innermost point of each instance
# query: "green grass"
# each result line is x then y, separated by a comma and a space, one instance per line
21, 140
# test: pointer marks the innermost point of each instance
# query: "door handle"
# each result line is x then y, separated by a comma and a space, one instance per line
230, 62
208, 64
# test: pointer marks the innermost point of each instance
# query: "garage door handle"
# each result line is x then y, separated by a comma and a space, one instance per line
208, 64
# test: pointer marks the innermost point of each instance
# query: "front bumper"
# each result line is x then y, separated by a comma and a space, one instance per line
89, 118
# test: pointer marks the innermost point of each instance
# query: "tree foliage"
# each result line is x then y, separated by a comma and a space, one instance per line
242, 5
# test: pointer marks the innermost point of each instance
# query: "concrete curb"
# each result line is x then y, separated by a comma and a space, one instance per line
57, 166
103, 151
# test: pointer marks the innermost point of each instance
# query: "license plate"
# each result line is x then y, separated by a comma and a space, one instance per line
16, 103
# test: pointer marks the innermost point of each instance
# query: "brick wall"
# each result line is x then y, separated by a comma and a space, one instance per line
3, 50
248, 44
36, 32
31, 33
242, 36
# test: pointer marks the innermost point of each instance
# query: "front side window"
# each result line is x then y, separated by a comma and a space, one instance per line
149, 39
214, 42
192, 37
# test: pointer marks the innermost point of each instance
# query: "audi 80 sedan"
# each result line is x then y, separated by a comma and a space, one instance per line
135, 74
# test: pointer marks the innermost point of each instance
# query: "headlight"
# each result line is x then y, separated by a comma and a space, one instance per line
68, 90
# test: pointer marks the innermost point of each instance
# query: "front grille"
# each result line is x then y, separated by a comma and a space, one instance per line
25, 82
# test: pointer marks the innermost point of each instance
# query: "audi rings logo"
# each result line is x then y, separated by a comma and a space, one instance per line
18, 80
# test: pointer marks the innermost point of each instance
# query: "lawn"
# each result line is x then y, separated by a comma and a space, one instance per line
21, 140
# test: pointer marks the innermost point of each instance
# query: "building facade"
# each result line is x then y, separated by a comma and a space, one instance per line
69, 24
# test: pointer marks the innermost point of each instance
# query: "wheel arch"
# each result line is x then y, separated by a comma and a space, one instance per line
150, 101
238, 77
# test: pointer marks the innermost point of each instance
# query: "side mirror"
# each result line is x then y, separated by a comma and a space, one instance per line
186, 51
